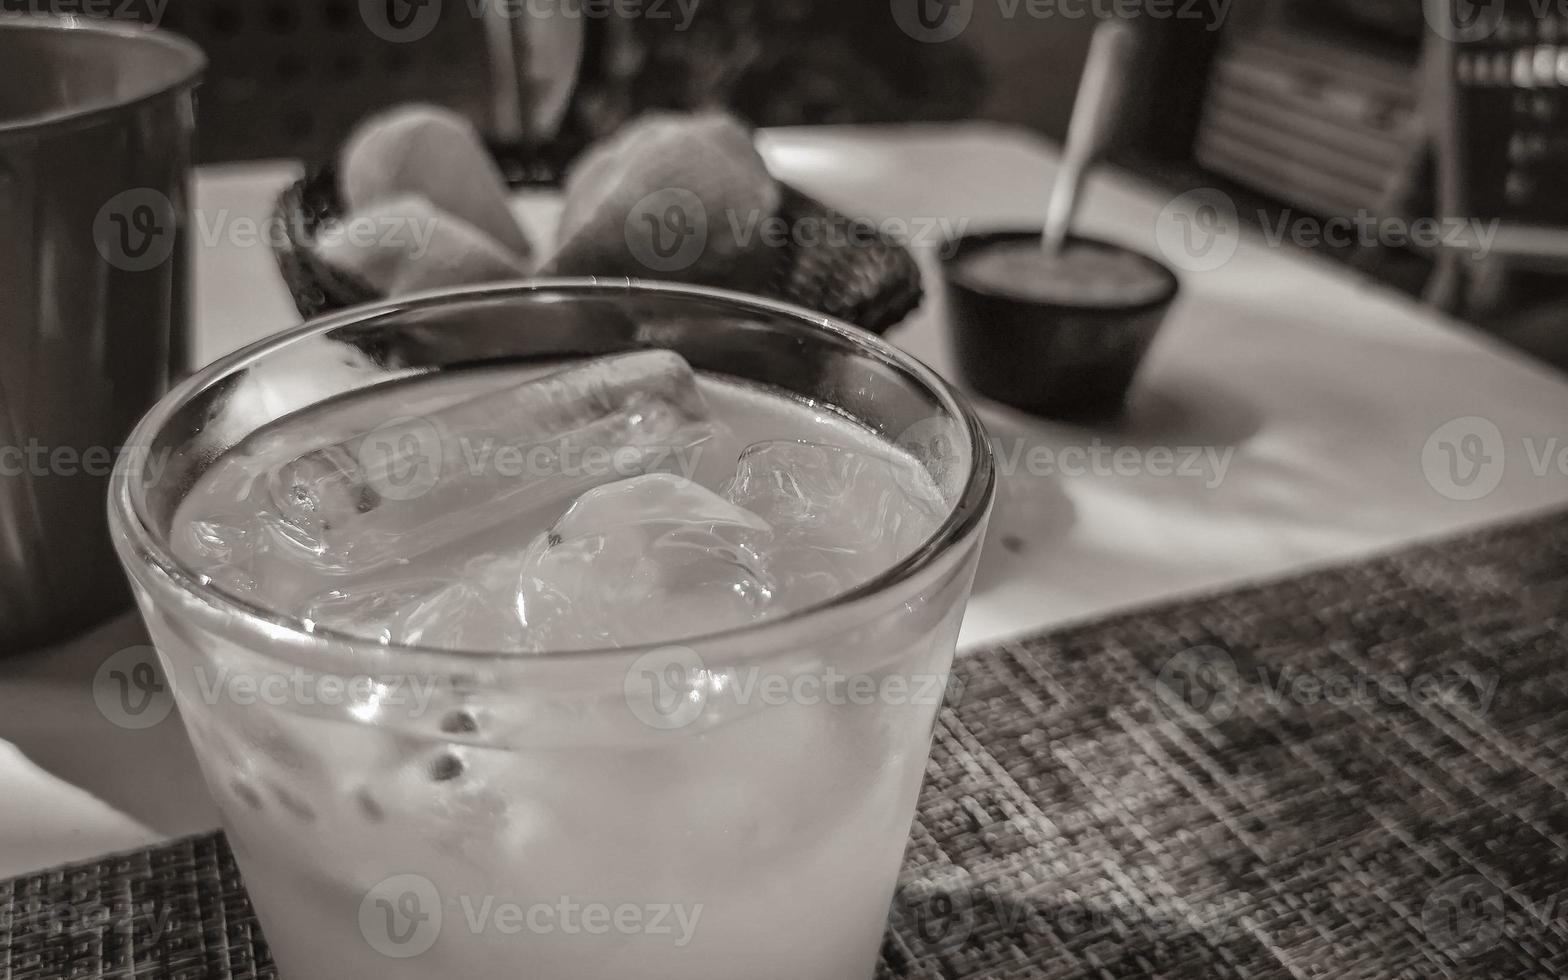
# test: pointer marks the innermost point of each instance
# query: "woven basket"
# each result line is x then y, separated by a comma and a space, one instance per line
865, 279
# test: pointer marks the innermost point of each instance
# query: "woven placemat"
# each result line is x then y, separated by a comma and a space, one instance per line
1355, 773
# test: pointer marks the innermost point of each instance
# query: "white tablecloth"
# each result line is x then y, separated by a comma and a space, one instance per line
1314, 414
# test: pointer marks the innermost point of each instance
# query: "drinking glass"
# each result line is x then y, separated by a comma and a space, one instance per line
96, 123
734, 805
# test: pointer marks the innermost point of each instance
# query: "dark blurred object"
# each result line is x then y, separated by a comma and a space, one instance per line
772, 62
1496, 90
289, 78
1400, 21
1294, 109
1395, 109
1310, 107
851, 273
785, 62
1501, 92
1052, 359
95, 135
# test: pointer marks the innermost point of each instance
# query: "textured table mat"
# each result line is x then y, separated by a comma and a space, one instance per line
1356, 773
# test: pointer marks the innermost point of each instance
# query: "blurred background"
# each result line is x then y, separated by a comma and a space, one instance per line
1328, 108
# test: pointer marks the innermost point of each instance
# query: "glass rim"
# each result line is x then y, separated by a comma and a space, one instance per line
186, 74
151, 552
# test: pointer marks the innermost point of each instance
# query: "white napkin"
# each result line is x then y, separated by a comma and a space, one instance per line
428, 208
45, 821
434, 153
73, 784
405, 245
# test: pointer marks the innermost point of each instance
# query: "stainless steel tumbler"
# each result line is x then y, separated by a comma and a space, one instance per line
96, 122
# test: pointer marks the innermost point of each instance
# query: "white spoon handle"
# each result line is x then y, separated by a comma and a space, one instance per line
1095, 113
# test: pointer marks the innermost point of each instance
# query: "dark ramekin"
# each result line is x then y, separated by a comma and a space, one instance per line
1050, 359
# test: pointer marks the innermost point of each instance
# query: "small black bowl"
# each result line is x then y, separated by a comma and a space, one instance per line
1050, 359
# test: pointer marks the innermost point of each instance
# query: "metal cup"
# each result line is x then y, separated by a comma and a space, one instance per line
96, 121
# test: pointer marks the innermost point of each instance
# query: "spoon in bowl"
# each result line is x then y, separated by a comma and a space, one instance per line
1095, 113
